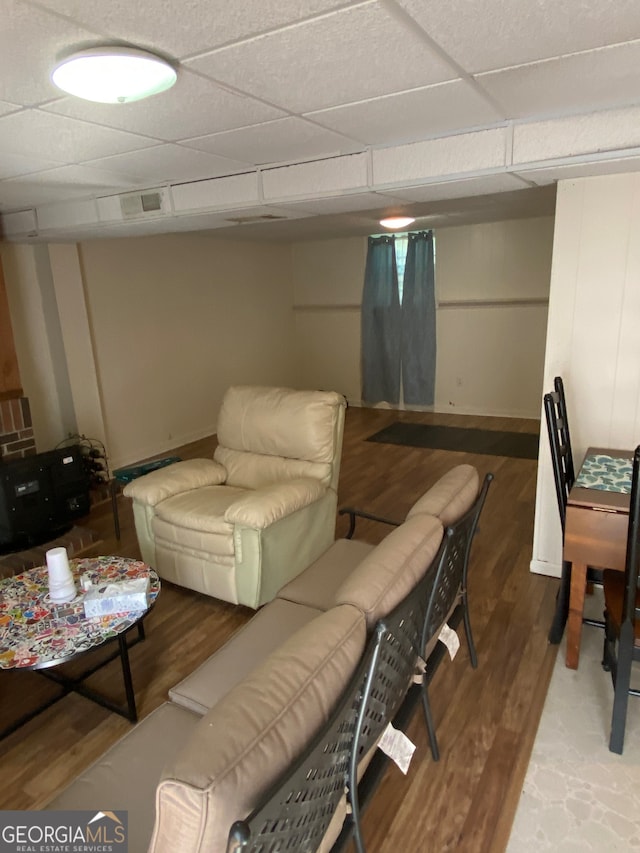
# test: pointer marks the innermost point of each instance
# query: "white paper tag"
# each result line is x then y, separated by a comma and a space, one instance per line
397, 746
451, 640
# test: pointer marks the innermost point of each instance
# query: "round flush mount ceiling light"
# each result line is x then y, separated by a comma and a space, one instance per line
397, 221
113, 75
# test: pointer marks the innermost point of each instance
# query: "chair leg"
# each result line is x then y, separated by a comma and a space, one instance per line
562, 605
428, 718
622, 683
467, 630
608, 648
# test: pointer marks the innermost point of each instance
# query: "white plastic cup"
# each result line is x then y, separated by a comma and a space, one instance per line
61, 585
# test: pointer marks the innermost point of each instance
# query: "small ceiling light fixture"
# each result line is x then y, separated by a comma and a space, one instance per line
397, 221
113, 75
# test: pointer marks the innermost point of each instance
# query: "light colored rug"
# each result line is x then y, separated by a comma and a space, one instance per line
578, 796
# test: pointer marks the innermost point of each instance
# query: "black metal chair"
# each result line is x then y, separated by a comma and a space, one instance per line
297, 811
555, 408
450, 589
395, 652
622, 619
402, 639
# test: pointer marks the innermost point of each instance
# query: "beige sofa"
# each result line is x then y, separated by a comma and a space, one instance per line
240, 525
205, 758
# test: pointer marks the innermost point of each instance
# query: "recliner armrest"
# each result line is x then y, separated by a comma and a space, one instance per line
264, 506
180, 477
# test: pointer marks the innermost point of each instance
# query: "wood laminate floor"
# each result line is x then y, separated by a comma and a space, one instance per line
486, 718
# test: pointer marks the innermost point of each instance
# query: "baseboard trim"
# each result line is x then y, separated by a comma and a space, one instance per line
539, 567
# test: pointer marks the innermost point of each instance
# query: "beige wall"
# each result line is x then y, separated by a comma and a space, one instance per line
170, 321
175, 320
492, 285
592, 336
327, 292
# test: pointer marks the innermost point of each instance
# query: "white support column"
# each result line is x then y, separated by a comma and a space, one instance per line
76, 336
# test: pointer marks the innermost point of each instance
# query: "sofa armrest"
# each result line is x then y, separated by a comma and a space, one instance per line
180, 477
262, 507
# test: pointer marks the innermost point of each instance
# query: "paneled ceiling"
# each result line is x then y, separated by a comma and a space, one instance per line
264, 85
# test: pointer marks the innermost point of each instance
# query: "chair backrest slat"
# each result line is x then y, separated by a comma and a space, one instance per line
560, 444
629, 610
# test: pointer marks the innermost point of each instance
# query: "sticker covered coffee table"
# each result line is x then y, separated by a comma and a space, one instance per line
38, 634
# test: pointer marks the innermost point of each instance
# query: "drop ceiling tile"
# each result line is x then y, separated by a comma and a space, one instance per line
551, 174
502, 182
597, 79
410, 116
233, 191
191, 26
327, 177
574, 136
487, 34
31, 41
67, 214
6, 108
346, 56
12, 165
90, 179
276, 142
27, 191
65, 140
169, 162
67, 182
342, 204
452, 155
193, 107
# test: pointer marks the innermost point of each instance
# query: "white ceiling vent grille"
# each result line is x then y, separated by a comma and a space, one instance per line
143, 205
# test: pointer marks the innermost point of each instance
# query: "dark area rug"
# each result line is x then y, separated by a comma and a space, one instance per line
523, 445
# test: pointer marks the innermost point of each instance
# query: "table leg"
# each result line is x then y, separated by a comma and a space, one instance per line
113, 490
126, 674
576, 609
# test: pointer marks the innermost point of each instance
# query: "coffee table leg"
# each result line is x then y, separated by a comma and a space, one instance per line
126, 674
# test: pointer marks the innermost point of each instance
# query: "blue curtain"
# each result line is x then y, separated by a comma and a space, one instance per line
381, 322
399, 340
418, 348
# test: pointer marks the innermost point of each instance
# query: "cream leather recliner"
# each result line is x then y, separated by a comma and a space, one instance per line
240, 525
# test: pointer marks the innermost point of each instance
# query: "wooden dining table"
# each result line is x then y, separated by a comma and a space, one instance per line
596, 527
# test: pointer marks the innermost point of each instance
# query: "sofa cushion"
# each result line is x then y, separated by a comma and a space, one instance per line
245, 650
253, 470
317, 586
126, 776
452, 495
245, 743
393, 568
280, 422
262, 507
201, 509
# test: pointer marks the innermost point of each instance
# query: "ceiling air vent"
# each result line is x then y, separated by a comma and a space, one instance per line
138, 205
267, 217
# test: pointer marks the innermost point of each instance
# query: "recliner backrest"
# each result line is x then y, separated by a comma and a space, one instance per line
266, 435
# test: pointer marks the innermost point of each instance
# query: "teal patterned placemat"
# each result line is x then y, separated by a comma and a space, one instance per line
607, 473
